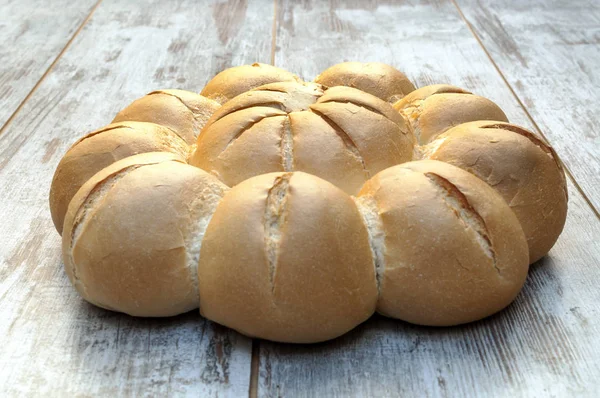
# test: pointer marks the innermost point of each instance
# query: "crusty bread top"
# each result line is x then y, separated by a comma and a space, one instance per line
239, 79
431, 110
376, 78
520, 166
101, 148
286, 257
341, 134
77, 212
133, 234
182, 111
451, 250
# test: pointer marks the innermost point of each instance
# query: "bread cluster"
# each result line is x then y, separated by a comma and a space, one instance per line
292, 210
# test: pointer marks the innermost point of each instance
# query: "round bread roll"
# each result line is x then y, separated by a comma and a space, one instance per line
286, 257
431, 110
448, 248
341, 134
239, 79
381, 80
133, 232
101, 148
182, 111
521, 167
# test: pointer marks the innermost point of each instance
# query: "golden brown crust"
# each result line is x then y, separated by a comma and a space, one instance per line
133, 231
453, 250
432, 110
286, 258
520, 166
101, 148
182, 111
239, 79
381, 80
340, 134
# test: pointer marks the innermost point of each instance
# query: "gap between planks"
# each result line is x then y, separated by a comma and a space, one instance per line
47, 72
274, 33
522, 105
254, 369
255, 361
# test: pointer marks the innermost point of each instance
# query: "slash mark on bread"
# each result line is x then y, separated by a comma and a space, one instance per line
271, 90
461, 207
535, 140
245, 128
95, 196
193, 110
267, 104
275, 215
287, 145
347, 140
369, 211
113, 126
366, 107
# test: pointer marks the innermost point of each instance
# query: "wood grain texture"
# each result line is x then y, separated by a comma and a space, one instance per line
52, 343
33, 35
544, 344
549, 52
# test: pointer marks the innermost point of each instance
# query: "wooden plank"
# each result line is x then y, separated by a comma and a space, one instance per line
53, 344
542, 345
33, 35
550, 55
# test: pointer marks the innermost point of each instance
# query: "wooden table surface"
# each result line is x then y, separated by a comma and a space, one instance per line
68, 66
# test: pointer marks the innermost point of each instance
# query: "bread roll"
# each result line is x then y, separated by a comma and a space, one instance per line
381, 80
431, 110
448, 248
132, 234
239, 79
182, 111
101, 148
521, 167
286, 257
341, 134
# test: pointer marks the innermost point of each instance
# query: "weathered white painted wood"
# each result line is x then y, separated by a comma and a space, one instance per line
51, 342
32, 35
549, 52
545, 344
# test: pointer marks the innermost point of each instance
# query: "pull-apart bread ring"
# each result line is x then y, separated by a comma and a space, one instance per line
381, 80
340, 134
150, 226
431, 110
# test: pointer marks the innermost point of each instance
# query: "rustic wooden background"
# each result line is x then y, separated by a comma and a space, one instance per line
66, 67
